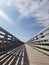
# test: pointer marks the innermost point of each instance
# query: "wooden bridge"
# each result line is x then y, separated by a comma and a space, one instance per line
33, 52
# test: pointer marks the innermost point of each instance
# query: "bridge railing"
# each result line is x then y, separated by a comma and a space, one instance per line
7, 40
41, 40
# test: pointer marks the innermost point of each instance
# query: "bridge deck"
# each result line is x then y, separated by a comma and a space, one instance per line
23, 55
35, 57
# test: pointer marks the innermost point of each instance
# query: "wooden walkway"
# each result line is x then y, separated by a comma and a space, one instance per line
23, 55
35, 57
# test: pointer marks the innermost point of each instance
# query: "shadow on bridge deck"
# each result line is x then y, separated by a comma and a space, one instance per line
17, 56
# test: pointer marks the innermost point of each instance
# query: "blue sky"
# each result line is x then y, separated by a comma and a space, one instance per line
24, 18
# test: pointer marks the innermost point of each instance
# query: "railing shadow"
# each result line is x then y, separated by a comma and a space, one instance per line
26, 60
20, 57
37, 48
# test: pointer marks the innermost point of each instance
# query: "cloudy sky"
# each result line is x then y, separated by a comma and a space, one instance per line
24, 18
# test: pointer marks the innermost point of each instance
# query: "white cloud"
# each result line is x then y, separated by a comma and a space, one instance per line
4, 16
25, 7
35, 8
